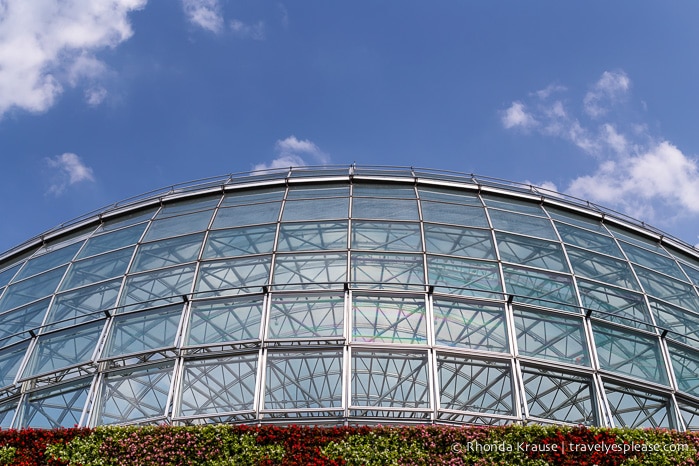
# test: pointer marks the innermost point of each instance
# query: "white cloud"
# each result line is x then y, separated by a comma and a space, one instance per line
248, 31
205, 14
639, 174
48, 44
611, 87
516, 116
291, 152
95, 95
67, 170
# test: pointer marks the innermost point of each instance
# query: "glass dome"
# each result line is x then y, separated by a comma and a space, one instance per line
350, 296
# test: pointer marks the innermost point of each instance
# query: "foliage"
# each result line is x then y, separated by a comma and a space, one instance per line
219, 445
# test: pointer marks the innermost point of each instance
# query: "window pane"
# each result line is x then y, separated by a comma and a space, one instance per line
683, 326
7, 275
254, 196
221, 385
312, 236
48, 261
240, 242
312, 379
514, 205
111, 241
663, 287
386, 236
656, 262
240, 216
97, 268
379, 379
143, 331
454, 241
454, 196
522, 224
464, 277
470, 325
306, 316
541, 288
532, 252
316, 209
176, 226
629, 353
560, 397
157, 288
549, 336
476, 386
602, 268
14, 325
82, 305
588, 240
615, 305
233, 276
175, 251
55, 407
637, 409
388, 271
308, 271
375, 190
10, 359
184, 206
31, 289
389, 319
223, 321
454, 214
685, 363
386, 209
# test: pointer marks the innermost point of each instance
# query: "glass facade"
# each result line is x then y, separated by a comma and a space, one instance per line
331, 296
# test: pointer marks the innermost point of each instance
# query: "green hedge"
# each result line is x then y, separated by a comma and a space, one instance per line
218, 445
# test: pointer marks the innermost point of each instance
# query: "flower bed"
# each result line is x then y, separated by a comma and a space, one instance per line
218, 445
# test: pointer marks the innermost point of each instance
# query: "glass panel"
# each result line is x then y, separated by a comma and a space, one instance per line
636, 239
690, 415
184, 206
98, 268
233, 276
309, 271
383, 190
111, 241
240, 242
514, 205
522, 224
464, 277
48, 261
316, 209
168, 252
14, 325
465, 242
55, 407
252, 197
549, 336
127, 219
455, 196
389, 319
394, 380
559, 397
470, 325
532, 252
135, 394
541, 288
307, 380
215, 386
32, 289
616, 305
477, 386
143, 331
247, 215
656, 262
660, 286
10, 359
176, 226
386, 236
385, 209
304, 191
64, 349
682, 325
312, 236
157, 288
602, 268
7, 412
588, 240
629, 353
388, 270
223, 321
637, 409
306, 316
82, 305
455, 214
692, 273
685, 363
7, 275
576, 219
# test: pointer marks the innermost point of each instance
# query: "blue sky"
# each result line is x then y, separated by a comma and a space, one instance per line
100, 101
